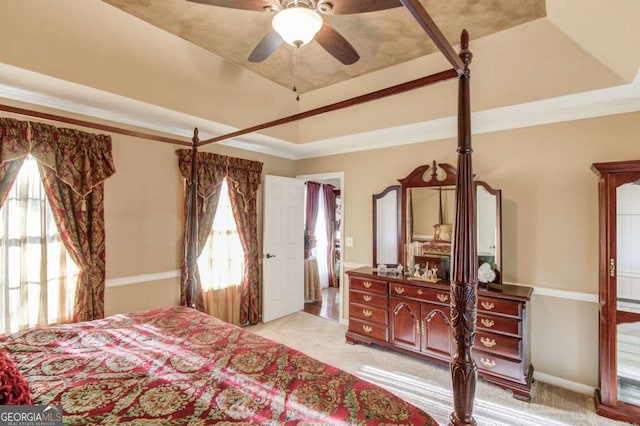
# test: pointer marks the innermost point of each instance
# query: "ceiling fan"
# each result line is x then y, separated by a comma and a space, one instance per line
297, 22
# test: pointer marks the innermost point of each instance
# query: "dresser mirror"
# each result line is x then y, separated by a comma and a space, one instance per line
428, 214
387, 241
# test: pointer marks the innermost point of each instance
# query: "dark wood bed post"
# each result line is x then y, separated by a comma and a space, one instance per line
464, 281
191, 227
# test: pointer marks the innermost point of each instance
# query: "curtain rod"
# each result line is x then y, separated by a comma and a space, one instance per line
90, 124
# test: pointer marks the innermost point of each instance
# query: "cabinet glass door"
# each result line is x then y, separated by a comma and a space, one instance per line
626, 271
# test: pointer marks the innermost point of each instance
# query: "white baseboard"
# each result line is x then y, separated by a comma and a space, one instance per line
134, 279
563, 383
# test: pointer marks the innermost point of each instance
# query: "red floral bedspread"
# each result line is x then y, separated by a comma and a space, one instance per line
177, 366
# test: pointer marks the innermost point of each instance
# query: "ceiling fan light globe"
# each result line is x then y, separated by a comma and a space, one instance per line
297, 25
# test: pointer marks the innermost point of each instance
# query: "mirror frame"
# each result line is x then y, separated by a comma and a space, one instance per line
415, 179
398, 211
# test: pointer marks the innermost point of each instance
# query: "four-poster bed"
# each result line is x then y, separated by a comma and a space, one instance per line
464, 277
354, 397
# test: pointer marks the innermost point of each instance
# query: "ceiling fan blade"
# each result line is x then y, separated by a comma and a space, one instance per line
266, 47
258, 5
337, 45
346, 7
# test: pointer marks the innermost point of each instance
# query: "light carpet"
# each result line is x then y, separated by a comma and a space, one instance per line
426, 384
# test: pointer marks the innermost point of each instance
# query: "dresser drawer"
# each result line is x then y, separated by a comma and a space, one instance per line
368, 313
377, 331
498, 344
367, 284
421, 293
500, 324
370, 299
499, 306
489, 363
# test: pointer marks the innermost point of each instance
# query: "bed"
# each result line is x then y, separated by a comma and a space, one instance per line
178, 366
170, 364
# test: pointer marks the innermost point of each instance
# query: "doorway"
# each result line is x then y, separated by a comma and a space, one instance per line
327, 301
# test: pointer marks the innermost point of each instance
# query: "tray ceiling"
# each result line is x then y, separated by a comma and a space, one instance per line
382, 39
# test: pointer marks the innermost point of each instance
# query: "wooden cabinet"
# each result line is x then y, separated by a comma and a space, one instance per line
618, 392
419, 320
414, 317
368, 308
501, 346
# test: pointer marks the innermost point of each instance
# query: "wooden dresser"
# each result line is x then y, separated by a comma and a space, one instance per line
413, 317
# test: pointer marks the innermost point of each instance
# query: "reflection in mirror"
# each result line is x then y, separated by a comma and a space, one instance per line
386, 227
487, 226
628, 292
432, 206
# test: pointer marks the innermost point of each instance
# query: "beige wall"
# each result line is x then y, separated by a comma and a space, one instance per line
143, 215
550, 218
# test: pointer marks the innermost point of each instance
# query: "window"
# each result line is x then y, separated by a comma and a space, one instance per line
37, 276
221, 263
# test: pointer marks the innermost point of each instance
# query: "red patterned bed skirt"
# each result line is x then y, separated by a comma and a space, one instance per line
178, 366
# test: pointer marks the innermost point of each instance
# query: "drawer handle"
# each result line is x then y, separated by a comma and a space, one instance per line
487, 322
366, 297
367, 313
367, 328
399, 290
367, 284
487, 362
488, 305
420, 292
443, 297
489, 343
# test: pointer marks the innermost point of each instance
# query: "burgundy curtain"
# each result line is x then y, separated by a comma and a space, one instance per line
211, 172
73, 166
313, 204
244, 177
13, 150
330, 220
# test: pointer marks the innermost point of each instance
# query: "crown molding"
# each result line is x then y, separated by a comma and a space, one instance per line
25, 86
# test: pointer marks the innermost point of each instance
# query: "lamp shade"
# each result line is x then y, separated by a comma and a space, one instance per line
297, 25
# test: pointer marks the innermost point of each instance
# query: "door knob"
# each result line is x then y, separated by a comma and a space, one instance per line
269, 256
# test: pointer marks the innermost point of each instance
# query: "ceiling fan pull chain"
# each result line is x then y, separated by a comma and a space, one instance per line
295, 73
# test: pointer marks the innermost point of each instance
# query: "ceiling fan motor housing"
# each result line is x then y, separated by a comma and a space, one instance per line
321, 6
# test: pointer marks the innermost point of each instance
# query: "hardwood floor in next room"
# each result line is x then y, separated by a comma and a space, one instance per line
329, 307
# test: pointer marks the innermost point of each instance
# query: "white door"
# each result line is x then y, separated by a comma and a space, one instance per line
283, 247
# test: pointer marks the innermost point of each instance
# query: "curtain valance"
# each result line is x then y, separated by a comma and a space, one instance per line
245, 174
15, 140
81, 160
211, 171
